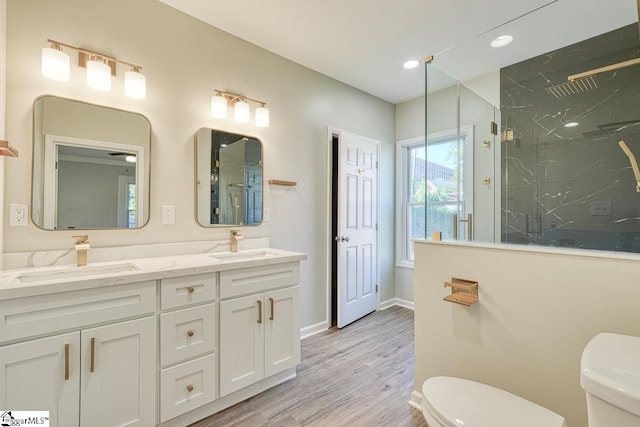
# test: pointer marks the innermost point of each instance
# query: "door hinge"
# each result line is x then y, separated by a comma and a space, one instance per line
376, 164
376, 288
494, 128
376, 226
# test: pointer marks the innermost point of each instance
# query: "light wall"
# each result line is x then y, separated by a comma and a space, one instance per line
537, 310
184, 60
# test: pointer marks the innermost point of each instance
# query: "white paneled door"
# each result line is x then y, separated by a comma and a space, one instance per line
357, 227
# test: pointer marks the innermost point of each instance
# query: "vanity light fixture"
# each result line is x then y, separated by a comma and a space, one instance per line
55, 63
241, 110
98, 74
100, 69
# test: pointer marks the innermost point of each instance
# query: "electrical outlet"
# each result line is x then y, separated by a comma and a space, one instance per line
602, 208
18, 215
168, 214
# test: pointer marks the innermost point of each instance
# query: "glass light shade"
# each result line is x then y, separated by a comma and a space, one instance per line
218, 107
55, 64
262, 117
241, 112
135, 85
98, 75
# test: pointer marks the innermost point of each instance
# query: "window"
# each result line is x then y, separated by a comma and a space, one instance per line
431, 188
127, 202
131, 205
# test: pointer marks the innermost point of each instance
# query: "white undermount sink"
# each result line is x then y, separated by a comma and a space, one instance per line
73, 272
245, 255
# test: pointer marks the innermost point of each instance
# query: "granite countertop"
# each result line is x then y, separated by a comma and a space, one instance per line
34, 281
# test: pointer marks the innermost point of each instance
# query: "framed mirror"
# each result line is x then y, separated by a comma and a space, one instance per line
91, 166
228, 179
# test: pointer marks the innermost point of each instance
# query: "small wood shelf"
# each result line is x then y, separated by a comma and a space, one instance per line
281, 182
7, 149
463, 291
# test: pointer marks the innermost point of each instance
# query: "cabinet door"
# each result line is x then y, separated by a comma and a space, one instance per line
33, 377
119, 381
241, 342
282, 330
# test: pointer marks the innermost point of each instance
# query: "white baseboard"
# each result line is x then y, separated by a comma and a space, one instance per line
405, 303
396, 301
416, 400
308, 331
387, 304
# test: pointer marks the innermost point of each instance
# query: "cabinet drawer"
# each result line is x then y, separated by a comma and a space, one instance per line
187, 290
187, 386
258, 279
187, 333
42, 314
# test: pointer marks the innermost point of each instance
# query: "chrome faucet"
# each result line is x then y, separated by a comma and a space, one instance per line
82, 246
234, 236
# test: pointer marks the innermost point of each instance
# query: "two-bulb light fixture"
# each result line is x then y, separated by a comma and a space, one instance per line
100, 68
241, 110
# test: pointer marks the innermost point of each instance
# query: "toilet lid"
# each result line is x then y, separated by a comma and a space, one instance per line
466, 403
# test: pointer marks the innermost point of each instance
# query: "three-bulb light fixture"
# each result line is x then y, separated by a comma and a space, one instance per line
100, 68
221, 100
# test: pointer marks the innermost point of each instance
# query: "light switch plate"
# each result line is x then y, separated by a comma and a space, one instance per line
168, 214
18, 215
266, 214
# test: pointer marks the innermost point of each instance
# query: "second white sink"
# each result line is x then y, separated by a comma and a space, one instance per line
245, 255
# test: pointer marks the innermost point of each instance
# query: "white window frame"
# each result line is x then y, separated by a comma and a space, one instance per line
403, 186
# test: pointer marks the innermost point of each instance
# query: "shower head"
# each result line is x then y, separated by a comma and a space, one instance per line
572, 87
584, 82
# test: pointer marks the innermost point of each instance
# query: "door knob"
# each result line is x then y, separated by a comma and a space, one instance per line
342, 238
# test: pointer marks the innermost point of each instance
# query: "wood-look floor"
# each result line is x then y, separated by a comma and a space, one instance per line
361, 375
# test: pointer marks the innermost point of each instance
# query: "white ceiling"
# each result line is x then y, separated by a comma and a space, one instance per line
364, 43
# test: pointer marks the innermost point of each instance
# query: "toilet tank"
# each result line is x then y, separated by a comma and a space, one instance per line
610, 376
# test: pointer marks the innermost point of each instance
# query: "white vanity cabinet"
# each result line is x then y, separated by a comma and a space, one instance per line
259, 324
89, 376
164, 345
188, 336
32, 375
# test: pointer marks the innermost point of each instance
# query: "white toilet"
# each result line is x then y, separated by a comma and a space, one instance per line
610, 376
456, 402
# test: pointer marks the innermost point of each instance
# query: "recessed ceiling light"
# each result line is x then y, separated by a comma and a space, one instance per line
571, 124
501, 41
411, 64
